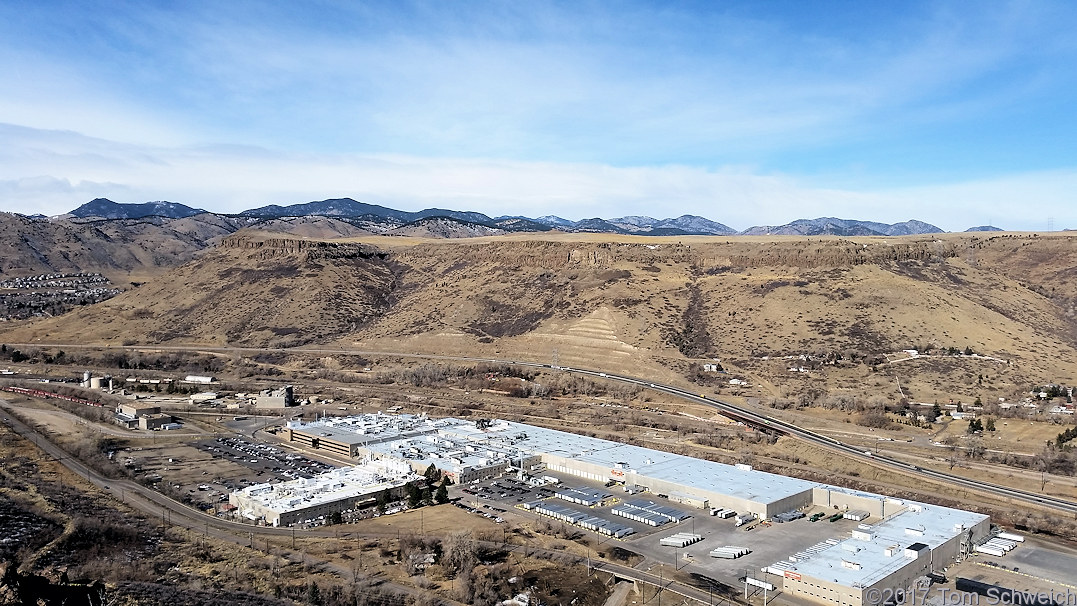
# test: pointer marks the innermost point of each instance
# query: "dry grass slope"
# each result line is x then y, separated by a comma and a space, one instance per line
645, 305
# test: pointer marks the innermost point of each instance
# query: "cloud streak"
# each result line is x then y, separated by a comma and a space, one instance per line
231, 179
746, 113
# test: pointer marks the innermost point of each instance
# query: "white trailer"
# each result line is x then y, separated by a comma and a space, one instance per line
729, 552
1002, 544
1011, 537
681, 539
998, 553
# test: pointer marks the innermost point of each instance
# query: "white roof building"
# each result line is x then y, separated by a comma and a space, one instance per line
309, 498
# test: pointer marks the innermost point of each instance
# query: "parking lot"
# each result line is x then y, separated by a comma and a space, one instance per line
1034, 566
203, 473
492, 498
768, 542
270, 461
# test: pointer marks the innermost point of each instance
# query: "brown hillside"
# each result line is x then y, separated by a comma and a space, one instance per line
640, 305
115, 248
247, 291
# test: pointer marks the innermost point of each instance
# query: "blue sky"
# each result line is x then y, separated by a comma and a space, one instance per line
747, 113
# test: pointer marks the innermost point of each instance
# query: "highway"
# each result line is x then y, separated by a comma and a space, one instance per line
728, 409
739, 413
171, 512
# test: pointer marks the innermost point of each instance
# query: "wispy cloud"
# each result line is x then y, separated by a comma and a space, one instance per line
234, 178
764, 110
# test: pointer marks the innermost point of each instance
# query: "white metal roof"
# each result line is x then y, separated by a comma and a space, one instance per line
334, 485
931, 525
408, 436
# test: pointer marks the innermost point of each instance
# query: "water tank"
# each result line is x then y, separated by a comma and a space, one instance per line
96, 382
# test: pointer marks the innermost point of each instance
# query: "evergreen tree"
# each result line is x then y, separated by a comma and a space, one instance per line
432, 474
314, 594
1066, 436
442, 495
411, 492
990, 424
936, 412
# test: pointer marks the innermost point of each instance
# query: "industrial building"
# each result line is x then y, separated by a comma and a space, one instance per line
155, 421
205, 398
465, 452
911, 541
144, 417
307, 499
92, 382
275, 398
456, 447
896, 543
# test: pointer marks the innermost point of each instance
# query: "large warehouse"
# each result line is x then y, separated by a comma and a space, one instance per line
905, 540
465, 452
914, 539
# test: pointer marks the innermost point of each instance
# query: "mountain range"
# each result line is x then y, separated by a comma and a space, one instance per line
455, 223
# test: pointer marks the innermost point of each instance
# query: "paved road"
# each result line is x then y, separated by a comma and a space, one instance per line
728, 409
110, 430
174, 513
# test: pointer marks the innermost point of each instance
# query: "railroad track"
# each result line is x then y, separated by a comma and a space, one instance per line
728, 409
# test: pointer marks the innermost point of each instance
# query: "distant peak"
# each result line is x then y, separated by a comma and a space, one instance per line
107, 209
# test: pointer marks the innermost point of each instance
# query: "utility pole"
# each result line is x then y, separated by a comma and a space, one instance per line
661, 582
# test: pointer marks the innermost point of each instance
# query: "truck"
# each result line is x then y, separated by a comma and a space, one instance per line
743, 518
